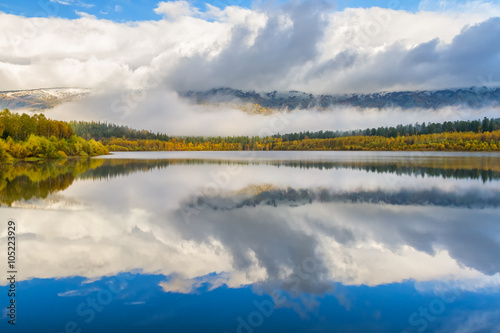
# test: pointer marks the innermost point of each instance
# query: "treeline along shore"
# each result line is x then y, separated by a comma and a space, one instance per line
25, 137
474, 135
33, 137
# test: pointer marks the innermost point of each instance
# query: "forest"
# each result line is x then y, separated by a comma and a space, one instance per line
26, 137
463, 135
475, 126
448, 141
104, 130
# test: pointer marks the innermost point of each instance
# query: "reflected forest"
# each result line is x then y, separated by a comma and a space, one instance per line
38, 180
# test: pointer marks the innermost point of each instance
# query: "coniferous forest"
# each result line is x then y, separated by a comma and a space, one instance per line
36, 137
473, 135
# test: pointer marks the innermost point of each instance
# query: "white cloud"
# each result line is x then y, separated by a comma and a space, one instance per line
73, 293
179, 285
84, 15
62, 2
175, 9
73, 3
305, 46
291, 46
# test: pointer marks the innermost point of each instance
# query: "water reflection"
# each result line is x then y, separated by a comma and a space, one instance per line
268, 195
299, 226
24, 180
486, 168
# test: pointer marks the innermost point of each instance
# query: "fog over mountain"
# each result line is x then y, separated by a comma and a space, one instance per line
228, 111
474, 97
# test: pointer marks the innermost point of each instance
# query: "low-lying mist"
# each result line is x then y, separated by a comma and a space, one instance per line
165, 111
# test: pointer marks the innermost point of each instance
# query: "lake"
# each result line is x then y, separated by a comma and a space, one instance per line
255, 242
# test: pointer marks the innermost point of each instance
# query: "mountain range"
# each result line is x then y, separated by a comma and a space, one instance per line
474, 97
268, 102
40, 99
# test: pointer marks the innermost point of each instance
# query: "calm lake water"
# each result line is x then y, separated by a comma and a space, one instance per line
255, 242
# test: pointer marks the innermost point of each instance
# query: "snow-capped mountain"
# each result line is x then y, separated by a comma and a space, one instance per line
40, 99
267, 102
475, 97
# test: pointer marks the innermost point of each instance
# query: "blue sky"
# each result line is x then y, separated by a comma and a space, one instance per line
139, 10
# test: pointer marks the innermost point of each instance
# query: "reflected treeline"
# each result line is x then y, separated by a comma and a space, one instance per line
269, 196
25, 180
485, 168
122, 167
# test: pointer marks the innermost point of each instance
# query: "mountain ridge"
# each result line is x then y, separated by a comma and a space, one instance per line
40, 99
474, 97
268, 102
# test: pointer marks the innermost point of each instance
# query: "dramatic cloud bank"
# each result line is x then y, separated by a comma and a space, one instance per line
136, 69
302, 45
